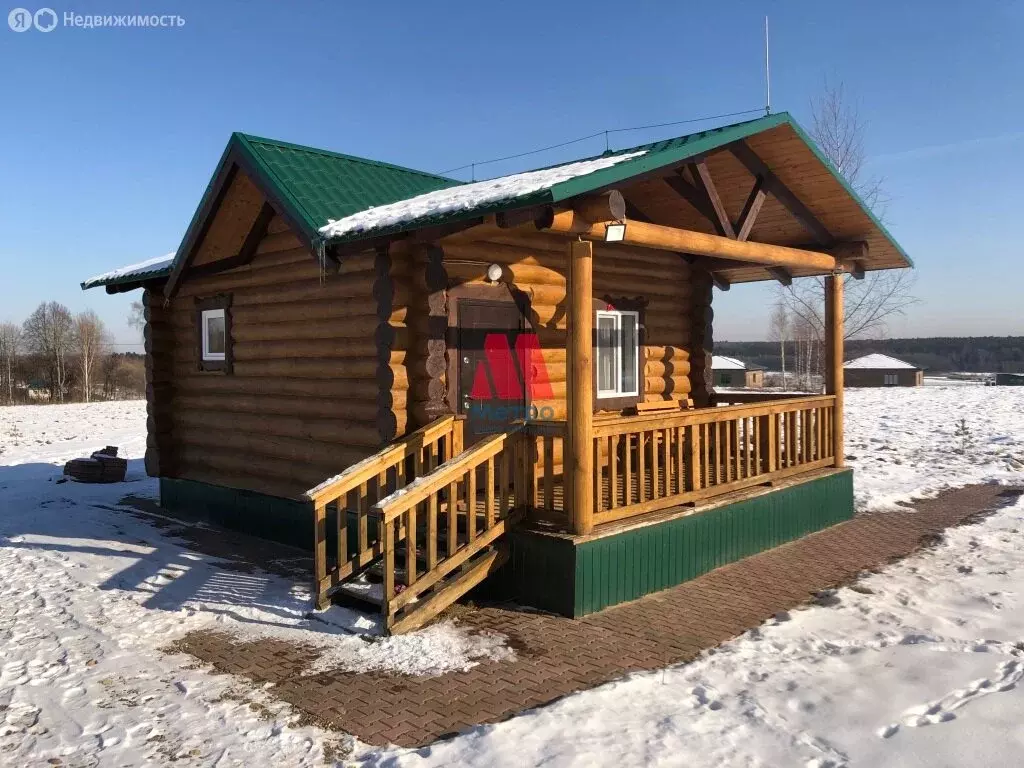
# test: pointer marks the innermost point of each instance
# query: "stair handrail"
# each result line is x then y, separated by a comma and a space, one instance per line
371, 475
500, 467
335, 487
392, 506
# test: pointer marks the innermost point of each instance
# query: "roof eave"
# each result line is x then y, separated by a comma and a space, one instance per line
849, 189
541, 197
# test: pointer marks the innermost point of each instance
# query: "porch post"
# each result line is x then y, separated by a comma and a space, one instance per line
834, 362
579, 453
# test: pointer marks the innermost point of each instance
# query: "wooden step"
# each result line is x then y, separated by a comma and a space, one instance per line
362, 591
451, 589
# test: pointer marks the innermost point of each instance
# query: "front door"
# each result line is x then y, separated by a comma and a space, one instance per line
492, 391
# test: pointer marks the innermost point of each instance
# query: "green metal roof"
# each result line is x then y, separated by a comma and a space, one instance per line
316, 185
320, 185
135, 274
655, 155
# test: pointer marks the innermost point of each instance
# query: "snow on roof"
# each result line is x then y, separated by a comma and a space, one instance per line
466, 197
876, 362
159, 264
722, 363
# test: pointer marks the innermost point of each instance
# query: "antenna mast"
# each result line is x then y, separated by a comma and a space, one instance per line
767, 73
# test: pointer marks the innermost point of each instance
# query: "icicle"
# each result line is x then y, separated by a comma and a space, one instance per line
320, 251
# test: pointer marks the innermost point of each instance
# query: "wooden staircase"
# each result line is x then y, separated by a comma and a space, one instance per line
427, 519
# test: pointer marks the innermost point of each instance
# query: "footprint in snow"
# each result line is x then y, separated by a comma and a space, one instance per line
1008, 674
701, 699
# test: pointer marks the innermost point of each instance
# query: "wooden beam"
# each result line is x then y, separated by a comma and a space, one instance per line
690, 194
781, 274
852, 254
257, 233
646, 235
742, 152
610, 205
720, 282
200, 225
519, 216
632, 212
245, 254
750, 209
579, 452
834, 358
706, 186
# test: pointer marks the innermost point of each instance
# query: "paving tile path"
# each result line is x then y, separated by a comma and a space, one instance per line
558, 656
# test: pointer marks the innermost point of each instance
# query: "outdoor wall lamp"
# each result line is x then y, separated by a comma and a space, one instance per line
615, 233
494, 273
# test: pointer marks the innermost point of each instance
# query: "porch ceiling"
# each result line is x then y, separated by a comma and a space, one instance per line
798, 167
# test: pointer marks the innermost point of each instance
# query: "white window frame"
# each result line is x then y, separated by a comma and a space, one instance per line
617, 315
211, 314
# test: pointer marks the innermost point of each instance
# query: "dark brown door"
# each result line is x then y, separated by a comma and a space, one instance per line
492, 394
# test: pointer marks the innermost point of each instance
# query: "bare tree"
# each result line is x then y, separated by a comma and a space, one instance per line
137, 316
49, 332
778, 330
838, 130
10, 342
92, 344
806, 341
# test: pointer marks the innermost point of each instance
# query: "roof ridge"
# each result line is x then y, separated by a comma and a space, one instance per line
649, 145
342, 156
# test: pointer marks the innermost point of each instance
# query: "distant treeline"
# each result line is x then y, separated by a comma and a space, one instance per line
989, 354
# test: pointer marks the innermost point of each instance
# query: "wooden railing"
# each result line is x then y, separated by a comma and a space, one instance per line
446, 521
745, 398
350, 496
544, 497
646, 463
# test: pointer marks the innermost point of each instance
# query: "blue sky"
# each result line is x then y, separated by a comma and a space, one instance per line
109, 136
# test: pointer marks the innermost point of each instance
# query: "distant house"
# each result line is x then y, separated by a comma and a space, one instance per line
877, 370
1010, 379
730, 372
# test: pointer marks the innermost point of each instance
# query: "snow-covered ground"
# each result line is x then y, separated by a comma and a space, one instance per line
89, 594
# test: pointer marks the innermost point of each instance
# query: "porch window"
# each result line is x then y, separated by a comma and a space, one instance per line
618, 348
213, 333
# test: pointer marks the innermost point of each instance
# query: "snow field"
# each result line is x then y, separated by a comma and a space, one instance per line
918, 665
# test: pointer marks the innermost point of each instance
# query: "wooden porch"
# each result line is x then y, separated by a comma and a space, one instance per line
429, 518
426, 518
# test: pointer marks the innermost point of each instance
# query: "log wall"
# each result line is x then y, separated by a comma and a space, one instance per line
675, 299
329, 367
320, 377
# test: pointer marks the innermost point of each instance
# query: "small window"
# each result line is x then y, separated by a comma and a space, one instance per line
891, 379
213, 334
618, 350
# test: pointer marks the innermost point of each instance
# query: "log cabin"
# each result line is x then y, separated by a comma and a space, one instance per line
506, 385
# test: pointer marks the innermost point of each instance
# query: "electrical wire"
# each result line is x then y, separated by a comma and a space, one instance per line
604, 133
